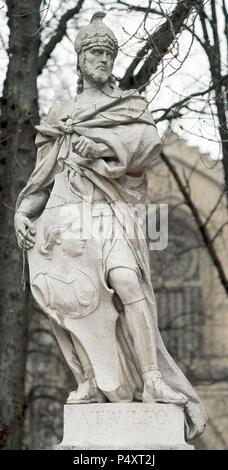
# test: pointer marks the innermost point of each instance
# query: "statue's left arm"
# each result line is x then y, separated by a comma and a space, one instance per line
147, 150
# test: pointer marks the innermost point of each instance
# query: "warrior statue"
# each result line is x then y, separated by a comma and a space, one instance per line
74, 218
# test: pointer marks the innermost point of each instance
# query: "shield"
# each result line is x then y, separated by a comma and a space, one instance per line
67, 282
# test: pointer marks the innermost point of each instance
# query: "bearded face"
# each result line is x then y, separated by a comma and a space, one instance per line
96, 65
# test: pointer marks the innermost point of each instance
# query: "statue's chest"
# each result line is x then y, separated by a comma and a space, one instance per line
83, 105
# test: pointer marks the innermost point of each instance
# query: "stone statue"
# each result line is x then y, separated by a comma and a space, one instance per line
93, 155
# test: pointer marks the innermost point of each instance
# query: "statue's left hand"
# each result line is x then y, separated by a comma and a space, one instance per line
86, 148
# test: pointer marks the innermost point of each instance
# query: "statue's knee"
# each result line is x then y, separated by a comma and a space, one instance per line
126, 284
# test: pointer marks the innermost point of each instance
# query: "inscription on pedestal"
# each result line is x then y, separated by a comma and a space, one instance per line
109, 418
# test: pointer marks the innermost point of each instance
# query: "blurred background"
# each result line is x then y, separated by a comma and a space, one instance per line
175, 53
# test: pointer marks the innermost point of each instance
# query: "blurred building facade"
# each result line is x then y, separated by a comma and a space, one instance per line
192, 304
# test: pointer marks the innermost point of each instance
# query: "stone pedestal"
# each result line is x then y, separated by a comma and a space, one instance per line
133, 426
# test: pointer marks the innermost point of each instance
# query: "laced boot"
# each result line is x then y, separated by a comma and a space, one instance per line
156, 390
87, 392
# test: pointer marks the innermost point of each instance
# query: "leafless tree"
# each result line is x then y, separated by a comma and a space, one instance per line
32, 44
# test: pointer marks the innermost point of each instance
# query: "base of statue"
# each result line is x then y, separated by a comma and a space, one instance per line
133, 426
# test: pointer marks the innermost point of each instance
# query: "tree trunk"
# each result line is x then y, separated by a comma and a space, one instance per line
19, 114
214, 55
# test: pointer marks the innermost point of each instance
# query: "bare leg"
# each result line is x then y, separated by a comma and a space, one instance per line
83, 357
139, 321
125, 282
142, 332
87, 390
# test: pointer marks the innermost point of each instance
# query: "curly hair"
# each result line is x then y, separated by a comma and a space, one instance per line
80, 87
80, 81
51, 234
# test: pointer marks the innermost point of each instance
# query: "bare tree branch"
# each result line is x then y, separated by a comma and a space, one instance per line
201, 226
158, 43
214, 208
59, 34
175, 107
219, 231
140, 8
225, 12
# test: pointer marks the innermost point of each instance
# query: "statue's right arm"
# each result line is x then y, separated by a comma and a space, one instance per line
25, 231
32, 205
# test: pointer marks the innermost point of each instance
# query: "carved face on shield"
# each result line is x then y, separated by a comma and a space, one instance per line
68, 241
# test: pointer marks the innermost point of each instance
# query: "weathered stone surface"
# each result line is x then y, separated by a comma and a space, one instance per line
135, 426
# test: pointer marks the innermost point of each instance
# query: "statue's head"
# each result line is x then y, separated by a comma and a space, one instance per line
97, 47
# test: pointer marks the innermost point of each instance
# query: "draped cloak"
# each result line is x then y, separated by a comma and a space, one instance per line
126, 126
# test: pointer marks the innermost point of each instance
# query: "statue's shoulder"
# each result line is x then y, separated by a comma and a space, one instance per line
117, 92
131, 93
58, 109
135, 94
